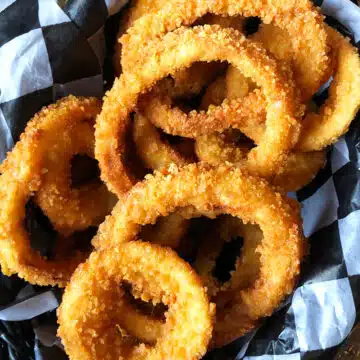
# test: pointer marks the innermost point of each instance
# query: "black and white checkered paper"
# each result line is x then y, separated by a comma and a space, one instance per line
49, 49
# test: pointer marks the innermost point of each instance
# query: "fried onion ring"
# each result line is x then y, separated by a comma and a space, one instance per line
90, 327
334, 117
222, 44
298, 170
336, 114
214, 94
22, 176
168, 231
223, 190
299, 17
186, 82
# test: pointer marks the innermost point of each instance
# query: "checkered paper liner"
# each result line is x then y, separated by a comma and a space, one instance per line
50, 49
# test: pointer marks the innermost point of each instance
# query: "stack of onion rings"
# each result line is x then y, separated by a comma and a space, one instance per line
223, 44
214, 191
247, 132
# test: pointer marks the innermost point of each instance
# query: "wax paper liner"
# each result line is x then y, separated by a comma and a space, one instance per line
49, 49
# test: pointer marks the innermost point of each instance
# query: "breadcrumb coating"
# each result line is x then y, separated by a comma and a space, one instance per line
299, 18
90, 315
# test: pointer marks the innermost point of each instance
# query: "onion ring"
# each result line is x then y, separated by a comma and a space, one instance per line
299, 18
22, 174
297, 171
217, 148
336, 114
157, 107
237, 85
222, 44
88, 324
168, 231
186, 82
191, 81
334, 117
224, 190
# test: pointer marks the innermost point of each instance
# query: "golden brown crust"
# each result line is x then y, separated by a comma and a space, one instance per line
215, 93
335, 115
89, 324
157, 154
154, 152
168, 231
137, 9
286, 48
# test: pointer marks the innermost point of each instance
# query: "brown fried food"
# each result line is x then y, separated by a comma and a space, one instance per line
336, 114
191, 81
223, 190
215, 93
232, 85
92, 327
121, 100
157, 105
222, 44
237, 85
235, 22
156, 154
186, 82
324, 127
299, 17
23, 174
286, 48
218, 148
298, 170
168, 231
137, 9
